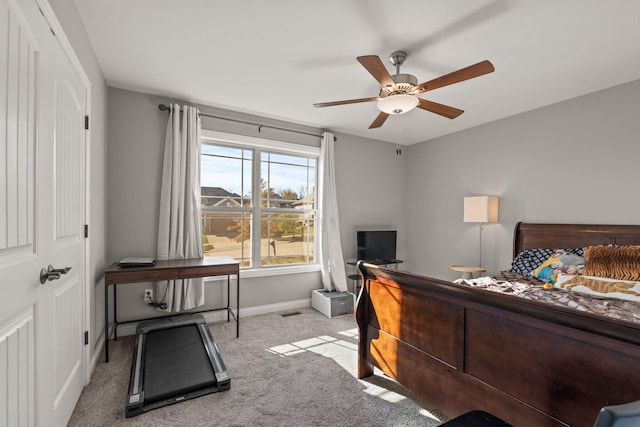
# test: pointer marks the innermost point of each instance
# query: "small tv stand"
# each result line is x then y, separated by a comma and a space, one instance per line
393, 262
356, 279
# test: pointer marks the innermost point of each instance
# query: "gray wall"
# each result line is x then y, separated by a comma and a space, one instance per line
573, 162
371, 193
74, 30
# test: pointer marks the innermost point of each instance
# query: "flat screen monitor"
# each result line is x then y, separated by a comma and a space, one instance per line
376, 245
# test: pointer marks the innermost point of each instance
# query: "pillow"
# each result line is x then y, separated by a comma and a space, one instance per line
561, 261
600, 286
527, 261
615, 262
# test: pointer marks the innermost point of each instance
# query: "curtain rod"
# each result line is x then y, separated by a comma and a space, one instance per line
163, 107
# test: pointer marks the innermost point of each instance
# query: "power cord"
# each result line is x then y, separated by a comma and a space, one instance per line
160, 305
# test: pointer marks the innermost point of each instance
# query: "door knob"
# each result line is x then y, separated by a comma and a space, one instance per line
50, 273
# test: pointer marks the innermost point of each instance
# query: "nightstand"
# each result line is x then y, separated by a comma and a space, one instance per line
467, 271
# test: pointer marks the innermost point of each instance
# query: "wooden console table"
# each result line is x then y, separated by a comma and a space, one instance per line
169, 270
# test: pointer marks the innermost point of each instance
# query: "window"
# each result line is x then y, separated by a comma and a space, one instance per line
250, 184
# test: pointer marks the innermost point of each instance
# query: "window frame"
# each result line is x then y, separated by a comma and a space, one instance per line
259, 145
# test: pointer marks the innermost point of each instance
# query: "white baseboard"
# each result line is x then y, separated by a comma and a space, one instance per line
95, 358
220, 316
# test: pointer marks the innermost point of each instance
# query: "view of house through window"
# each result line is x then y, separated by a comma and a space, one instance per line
258, 204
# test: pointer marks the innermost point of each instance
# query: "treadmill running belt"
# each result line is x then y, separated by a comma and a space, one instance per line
175, 358
176, 363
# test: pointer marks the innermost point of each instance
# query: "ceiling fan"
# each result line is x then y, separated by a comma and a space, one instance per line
398, 93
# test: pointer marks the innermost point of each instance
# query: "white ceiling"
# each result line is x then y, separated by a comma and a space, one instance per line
276, 58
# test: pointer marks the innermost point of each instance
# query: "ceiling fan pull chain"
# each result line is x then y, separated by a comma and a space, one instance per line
398, 135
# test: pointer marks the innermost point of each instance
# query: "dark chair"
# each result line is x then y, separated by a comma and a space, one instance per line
476, 419
627, 415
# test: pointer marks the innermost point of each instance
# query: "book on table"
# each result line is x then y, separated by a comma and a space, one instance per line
137, 262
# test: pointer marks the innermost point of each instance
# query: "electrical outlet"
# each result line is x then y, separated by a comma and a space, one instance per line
148, 295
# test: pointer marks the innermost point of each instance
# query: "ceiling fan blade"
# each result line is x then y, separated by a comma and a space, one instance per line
443, 110
475, 70
374, 65
379, 121
348, 101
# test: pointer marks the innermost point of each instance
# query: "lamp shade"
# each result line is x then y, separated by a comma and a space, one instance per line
397, 104
481, 209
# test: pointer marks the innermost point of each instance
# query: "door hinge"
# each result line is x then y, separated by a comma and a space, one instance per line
86, 122
86, 231
47, 21
86, 337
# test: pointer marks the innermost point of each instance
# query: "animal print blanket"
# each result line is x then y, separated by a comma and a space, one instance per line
532, 289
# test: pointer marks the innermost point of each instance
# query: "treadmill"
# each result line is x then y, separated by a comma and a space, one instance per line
174, 359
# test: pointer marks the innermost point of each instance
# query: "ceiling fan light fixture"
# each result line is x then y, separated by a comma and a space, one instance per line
398, 104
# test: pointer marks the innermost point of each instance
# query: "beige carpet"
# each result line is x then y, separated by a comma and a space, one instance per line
296, 370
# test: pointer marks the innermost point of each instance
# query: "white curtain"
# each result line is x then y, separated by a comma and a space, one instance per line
331, 260
179, 227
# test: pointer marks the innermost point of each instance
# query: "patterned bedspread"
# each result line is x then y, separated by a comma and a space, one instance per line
532, 288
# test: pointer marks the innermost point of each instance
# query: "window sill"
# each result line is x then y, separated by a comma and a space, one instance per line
279, 271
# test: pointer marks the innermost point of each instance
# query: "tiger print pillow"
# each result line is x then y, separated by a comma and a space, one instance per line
615, 262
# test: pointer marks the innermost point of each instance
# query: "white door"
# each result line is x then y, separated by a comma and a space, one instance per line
42, 193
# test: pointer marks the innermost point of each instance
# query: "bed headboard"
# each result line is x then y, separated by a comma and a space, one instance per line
532, 236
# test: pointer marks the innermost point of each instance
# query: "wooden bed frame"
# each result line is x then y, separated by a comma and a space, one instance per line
529, 363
